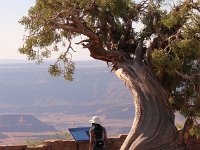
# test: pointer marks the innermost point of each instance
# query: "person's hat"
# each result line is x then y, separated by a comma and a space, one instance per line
96, 120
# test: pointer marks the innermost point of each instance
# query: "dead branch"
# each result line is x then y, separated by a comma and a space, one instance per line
138, 51
83, 41
126, 32
187, 78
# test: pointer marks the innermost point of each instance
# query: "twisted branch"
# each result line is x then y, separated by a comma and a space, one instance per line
77, 25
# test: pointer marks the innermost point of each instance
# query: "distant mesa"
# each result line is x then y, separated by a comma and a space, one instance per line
94, 91
23, 123
3, 136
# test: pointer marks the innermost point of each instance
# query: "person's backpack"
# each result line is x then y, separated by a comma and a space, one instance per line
98, 136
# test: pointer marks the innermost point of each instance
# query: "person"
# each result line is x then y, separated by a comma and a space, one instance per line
98, 136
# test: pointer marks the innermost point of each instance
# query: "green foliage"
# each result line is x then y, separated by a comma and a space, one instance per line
181, 59
66, 68
188, 51
176, 17
117, 7
163, 60
63, 135
32, 143
195, 131
55, 70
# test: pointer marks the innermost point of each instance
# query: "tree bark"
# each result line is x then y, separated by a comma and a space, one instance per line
153, 126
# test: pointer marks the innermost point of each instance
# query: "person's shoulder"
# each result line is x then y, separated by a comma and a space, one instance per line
91, 129
103, 128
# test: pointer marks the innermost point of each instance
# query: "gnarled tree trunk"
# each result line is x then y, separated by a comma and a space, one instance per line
153, 127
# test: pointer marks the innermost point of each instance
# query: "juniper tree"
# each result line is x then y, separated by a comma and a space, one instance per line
160, 63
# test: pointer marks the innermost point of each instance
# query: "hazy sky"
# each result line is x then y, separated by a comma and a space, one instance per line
11, 32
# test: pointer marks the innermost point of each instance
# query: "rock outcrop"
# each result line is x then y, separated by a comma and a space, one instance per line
23, 123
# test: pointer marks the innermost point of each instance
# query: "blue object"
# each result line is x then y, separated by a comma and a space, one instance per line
80, 134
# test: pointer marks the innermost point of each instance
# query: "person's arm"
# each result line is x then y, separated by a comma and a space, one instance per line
105, 137
91, 139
